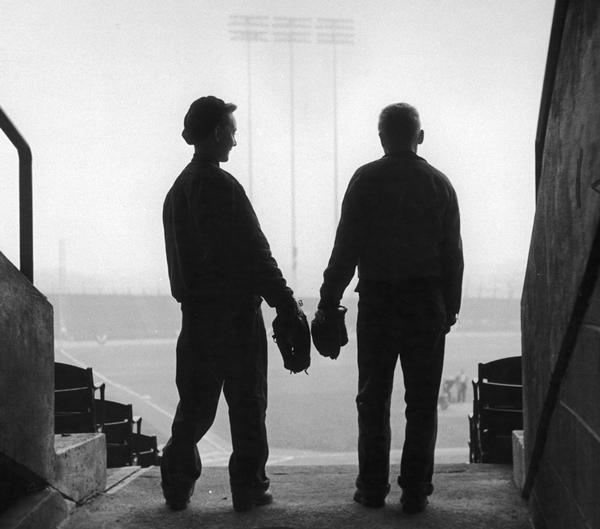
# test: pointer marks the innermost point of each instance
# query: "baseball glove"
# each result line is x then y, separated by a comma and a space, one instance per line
292, 336
329, 332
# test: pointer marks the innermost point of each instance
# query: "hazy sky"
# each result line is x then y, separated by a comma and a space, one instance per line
99, 89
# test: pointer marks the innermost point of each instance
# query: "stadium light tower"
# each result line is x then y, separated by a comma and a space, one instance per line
292, 30
249, 28
335, 32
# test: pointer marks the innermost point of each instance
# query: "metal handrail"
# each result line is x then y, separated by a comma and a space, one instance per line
25, 195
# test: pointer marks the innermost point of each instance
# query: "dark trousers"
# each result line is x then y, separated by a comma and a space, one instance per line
222, 349
409, 323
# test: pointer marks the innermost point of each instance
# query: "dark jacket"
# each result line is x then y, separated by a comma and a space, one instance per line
400, 224
216, 250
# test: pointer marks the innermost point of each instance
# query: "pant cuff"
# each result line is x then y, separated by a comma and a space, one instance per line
379, 490
416, 487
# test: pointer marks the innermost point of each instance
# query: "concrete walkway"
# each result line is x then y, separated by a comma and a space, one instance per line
466, 496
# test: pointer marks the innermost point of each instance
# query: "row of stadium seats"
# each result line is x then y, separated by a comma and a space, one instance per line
497, 410
77, 410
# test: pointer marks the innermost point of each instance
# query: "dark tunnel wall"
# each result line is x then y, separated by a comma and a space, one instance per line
565, 493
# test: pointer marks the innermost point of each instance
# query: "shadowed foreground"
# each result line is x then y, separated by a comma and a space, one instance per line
466, 496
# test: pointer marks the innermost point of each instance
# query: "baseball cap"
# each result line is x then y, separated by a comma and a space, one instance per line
203, 116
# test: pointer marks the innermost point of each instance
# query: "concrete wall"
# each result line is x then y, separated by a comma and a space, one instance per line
567, 217
567, 489
26, 373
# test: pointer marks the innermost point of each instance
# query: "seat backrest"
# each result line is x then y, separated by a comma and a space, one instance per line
74, 411
118, 432
500, 396
145, 449
110, 411
145, 443
498, 421
118, 455
504, 370
67, 376
77, 400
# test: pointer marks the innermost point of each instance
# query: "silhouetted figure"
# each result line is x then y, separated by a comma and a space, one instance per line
219, 265
400, 225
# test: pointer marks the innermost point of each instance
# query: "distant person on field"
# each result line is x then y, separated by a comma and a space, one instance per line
461, 382
400, 225
220, 266
447, 389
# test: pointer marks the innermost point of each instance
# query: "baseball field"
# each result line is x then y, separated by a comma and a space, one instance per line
311, 417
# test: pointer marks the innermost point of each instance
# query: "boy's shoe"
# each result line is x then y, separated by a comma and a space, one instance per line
177, 495
244, 501
373, 502
177, 488
413, 502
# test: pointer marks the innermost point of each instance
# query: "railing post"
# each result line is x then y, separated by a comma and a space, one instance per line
25, 195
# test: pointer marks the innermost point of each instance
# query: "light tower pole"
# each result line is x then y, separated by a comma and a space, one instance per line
62, 287
335, 32
292, 30
249, 28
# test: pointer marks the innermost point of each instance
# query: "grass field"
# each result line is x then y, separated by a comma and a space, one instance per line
314, 412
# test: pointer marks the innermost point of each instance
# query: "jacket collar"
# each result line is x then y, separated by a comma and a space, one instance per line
201, 157
403, 154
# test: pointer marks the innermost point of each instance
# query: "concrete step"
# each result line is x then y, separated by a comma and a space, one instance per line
46, 509
312, 497
79, 465
79, 474
518, 451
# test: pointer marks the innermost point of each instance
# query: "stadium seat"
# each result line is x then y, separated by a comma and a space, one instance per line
504, 371
499, 396
145, 450
497, 410
74, 403
118, 424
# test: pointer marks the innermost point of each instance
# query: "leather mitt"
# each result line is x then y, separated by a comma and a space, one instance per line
292, 336
328, 330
